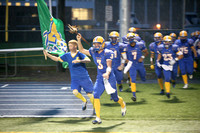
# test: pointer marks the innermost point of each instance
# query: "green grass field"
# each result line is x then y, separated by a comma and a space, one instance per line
151, 113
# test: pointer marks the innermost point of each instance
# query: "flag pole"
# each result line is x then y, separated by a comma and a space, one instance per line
6, 22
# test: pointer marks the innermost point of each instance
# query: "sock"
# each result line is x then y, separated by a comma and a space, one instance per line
160, 82
167, 87
80, 96
133, 87
91, 98
185, 80
97, 107
121, 102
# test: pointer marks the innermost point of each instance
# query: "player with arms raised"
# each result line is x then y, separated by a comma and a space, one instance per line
103, 59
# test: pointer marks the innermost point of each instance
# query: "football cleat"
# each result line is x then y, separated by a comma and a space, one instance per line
133, 98
191, 76
162, 92
168, 95
185, 86
97, 121
123, 110
84, 105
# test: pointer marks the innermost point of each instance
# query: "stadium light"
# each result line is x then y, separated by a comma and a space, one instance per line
9, 4
35, 4
27, 4
158, 26
18, 4
0, 4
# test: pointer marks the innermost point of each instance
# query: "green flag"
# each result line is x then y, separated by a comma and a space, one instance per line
52, 31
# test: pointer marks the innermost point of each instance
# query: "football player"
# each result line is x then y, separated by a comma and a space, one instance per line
154, 55
170, 55
186, 64
118, 59
105, 75
76, 61
134, 51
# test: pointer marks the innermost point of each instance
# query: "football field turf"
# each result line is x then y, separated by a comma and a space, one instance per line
151, 113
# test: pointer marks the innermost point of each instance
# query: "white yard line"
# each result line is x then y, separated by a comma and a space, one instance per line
39, 92
42, 109
46, 116
35, 95
39, 100
44, 104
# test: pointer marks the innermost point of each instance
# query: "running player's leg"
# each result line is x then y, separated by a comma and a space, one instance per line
167, 75
190, 67
119, 78
98, 90
88, 88
174, 74
142, 71
76, 89
115, 96
133, 74
158, 71
182, 65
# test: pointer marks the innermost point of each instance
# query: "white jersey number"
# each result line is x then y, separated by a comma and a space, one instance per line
167, 57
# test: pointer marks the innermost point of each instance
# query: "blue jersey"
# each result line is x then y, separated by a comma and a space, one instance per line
168, 54
135, 53
77, 70
100, 60
118, 49
154, 49
185, 47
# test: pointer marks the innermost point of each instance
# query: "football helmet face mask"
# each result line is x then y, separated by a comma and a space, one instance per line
183, 36
167, 41
114, 37
131, 38
98, 43
158, 37
173, 36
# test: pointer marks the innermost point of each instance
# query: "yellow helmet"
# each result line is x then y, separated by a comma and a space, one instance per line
99, 40
130, 35
183, 33
173, 35
114, 34
167, 41
132, 30
158, 37
114, 37
167, 38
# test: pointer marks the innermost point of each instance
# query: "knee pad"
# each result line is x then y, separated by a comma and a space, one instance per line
90, 95
75, 92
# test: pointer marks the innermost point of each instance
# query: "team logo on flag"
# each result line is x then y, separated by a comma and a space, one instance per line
53, 39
